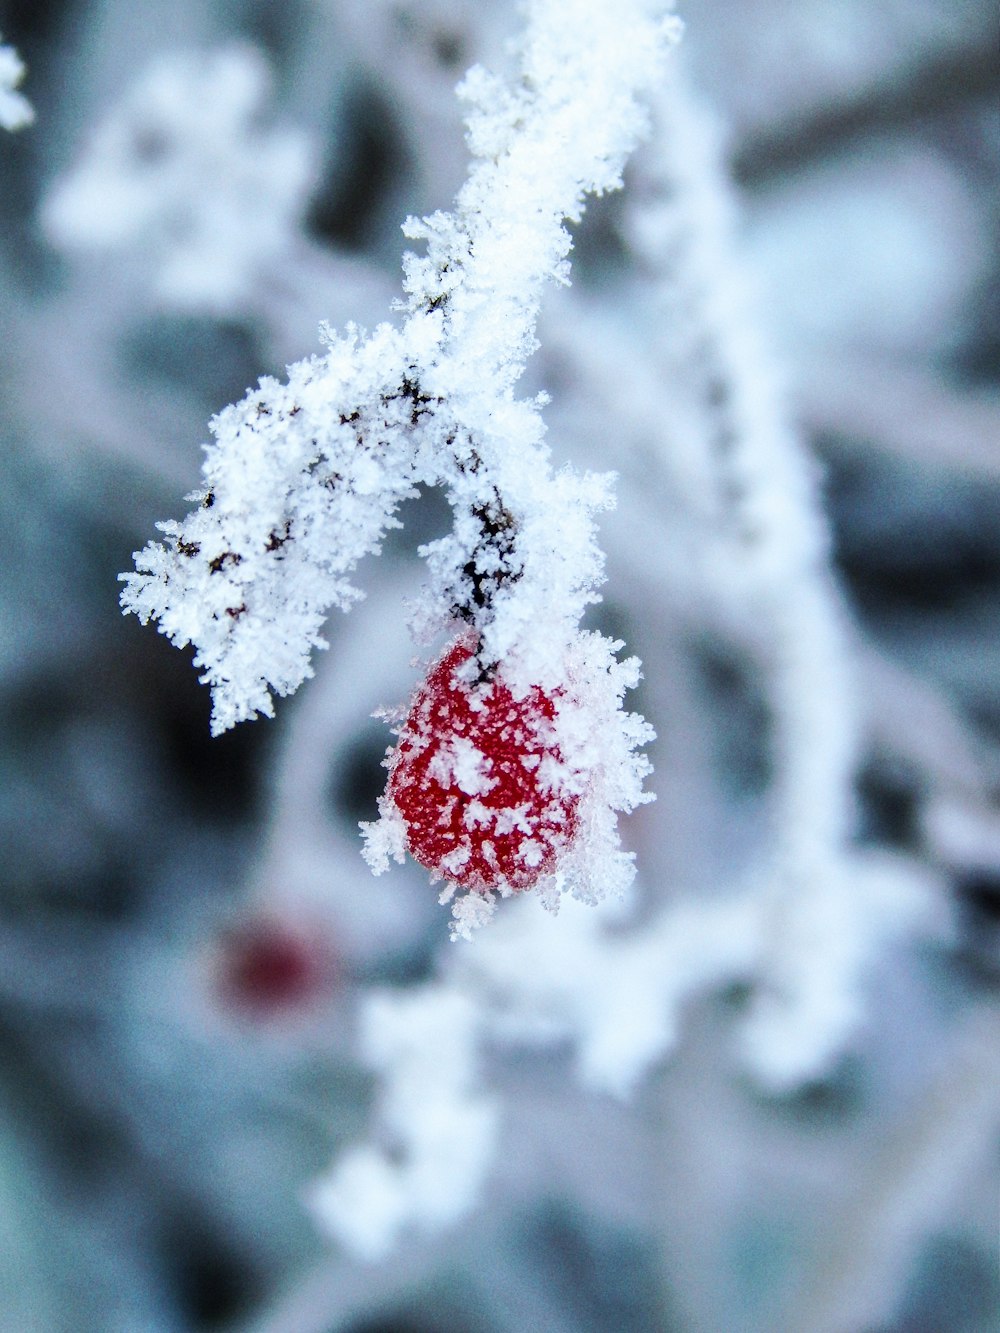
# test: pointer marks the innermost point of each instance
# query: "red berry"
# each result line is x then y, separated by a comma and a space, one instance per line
475, 778
269, 967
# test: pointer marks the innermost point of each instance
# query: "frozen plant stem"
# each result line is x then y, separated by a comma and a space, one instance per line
304, 478
766, 556
762, 561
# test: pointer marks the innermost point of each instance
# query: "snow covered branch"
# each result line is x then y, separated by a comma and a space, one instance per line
304, 478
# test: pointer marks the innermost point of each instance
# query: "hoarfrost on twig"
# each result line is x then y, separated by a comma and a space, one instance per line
305, 477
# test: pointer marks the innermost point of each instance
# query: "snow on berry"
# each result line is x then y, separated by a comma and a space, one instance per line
476, 779
497, 788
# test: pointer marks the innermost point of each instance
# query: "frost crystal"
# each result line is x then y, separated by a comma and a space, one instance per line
304, 478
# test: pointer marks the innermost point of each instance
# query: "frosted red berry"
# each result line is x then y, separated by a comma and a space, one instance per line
477, 778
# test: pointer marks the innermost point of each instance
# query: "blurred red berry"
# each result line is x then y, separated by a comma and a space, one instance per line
269, 967
475, 777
